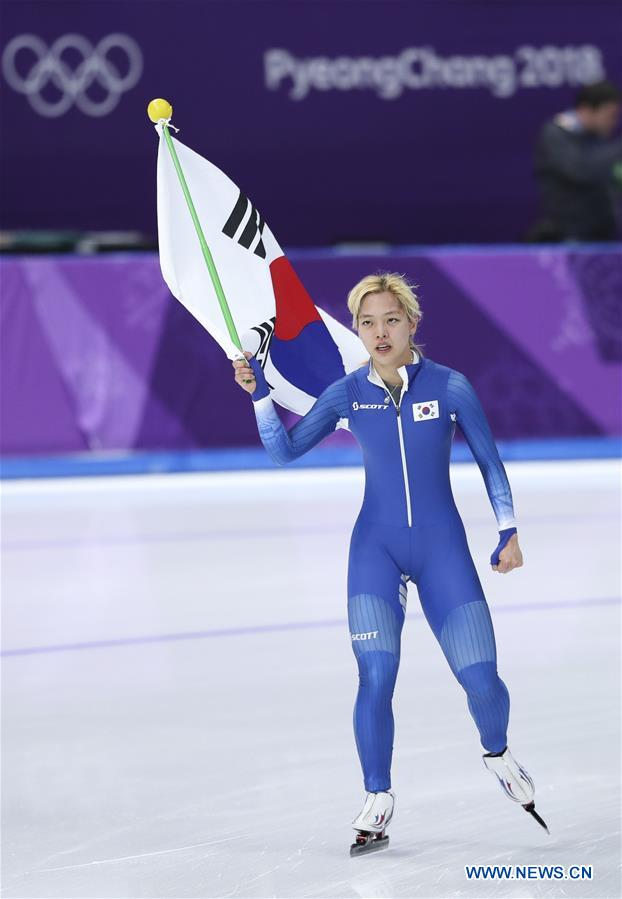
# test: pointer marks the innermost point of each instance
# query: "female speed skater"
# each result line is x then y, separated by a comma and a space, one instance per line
403, 409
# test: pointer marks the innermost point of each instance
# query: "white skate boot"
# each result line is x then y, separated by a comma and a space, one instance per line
372, 823
514, 780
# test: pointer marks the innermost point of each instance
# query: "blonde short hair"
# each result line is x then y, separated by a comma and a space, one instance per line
396, 284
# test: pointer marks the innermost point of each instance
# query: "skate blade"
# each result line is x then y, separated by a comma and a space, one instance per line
372, 844
530, 807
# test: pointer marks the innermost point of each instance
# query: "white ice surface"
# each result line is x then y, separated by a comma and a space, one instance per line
220, 762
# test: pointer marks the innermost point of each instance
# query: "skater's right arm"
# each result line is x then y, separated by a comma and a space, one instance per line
282, 445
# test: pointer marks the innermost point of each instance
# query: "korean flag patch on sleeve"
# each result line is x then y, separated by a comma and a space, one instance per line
423, 411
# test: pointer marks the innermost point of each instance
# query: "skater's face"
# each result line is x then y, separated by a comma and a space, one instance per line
385, 329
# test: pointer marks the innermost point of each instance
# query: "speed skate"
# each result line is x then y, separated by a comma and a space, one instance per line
514, 781
372, 823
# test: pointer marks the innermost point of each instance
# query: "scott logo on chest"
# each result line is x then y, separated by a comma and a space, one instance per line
356, 406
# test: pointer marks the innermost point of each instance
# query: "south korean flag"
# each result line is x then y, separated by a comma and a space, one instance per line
425, 411
301, 348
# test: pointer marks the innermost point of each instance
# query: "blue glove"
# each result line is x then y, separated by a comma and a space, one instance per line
261, 390
504, 537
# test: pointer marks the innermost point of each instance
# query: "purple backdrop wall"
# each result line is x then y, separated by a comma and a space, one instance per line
96, 354
405, 122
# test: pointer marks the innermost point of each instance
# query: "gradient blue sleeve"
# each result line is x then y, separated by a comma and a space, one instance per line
321, 420
463, 402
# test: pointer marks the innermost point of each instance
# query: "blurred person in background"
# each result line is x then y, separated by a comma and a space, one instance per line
578, 165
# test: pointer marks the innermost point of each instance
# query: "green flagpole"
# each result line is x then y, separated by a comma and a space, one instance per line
161, 111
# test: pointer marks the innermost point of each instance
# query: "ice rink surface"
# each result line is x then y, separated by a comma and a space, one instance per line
178, 685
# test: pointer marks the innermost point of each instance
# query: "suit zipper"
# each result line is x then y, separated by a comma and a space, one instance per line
404, 466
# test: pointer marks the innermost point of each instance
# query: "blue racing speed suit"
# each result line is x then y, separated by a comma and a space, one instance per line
408, 529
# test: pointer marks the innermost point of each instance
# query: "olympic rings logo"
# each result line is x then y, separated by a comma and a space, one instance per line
50, 70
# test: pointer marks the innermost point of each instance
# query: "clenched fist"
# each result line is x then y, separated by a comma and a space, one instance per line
244, 375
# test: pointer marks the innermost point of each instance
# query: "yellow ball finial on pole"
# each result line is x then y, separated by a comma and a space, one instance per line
159, 109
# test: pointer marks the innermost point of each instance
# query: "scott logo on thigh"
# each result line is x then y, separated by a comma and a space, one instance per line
370, 635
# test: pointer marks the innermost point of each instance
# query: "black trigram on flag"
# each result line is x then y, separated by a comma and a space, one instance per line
265, 331
254, 225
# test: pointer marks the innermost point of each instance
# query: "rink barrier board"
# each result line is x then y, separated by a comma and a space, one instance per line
96, 356
253, 458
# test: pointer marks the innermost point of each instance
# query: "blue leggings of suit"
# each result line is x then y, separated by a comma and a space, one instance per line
437, 559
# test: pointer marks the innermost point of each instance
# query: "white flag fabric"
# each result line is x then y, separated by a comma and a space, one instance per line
301, 348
